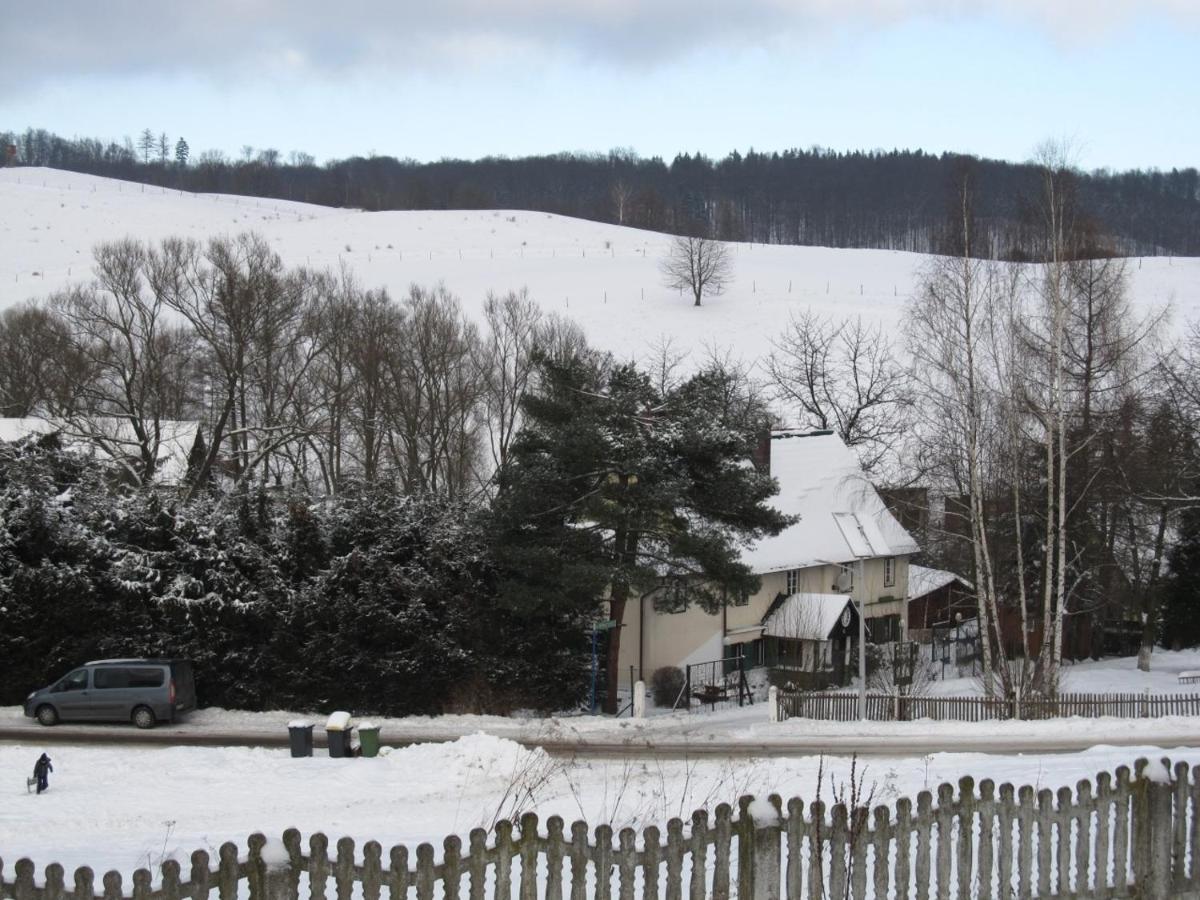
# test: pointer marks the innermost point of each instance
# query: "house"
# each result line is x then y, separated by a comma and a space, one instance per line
114, 439
844, 549
935, 598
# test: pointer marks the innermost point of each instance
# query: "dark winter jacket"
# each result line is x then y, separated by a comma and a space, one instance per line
42, 767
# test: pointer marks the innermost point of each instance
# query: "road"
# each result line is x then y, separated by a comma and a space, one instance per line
662, 745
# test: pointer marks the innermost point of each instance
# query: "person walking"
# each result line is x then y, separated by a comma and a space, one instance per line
41, 771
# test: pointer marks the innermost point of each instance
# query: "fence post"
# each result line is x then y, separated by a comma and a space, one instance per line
773, 703
277, 881
639, 699
759, 842
1152, 830
1146, 704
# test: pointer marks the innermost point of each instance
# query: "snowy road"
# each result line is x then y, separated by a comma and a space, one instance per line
690, 740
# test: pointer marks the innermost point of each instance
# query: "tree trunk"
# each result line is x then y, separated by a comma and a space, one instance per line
612, 675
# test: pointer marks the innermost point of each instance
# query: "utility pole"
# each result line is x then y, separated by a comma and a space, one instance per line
862, 639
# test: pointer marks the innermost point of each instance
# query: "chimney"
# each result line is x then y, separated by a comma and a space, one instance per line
761, 457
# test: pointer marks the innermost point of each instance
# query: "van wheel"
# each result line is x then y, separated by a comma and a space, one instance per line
47, 715
143, 717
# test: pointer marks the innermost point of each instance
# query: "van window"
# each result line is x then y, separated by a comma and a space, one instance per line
128, 677
76, 681
146, 678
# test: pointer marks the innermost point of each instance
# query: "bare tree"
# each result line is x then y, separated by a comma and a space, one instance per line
39, 366
664, 361
843, 376
506, 366
434, 439
250, 316
951, 333
622, 195
138, 367
699, 265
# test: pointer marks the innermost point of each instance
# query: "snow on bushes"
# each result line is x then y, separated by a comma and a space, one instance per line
370, 601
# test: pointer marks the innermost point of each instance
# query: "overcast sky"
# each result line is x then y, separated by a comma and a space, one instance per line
468, 78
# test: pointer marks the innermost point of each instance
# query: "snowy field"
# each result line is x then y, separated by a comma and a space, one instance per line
1116, 675
124, 808
603, 276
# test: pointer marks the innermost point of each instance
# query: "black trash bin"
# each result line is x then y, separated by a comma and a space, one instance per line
337, 734
300, 738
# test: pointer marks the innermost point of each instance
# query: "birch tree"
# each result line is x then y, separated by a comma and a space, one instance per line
951, 325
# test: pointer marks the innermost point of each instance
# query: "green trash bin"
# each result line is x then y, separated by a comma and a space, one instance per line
368, 739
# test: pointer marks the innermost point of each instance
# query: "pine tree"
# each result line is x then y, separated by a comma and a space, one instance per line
1181, 600
146, 144
638, 489
181, 153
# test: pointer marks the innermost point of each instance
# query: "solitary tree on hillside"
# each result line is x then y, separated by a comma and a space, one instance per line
181, 152
698, 264
146, 144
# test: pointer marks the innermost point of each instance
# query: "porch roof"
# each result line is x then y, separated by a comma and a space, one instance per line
806, 617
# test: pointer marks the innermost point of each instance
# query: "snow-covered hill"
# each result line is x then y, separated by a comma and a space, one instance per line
603, 276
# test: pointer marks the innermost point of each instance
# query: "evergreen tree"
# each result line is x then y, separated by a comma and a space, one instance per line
1181, 600
146, 144
181, 153
640, 487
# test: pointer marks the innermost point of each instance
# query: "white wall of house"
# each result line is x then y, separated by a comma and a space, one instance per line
669, 639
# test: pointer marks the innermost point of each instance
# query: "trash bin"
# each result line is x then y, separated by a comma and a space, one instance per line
300, 737
368, 738
337, 734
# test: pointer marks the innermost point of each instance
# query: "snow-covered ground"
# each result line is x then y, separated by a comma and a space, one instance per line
1116, 675
604, 276
124, 808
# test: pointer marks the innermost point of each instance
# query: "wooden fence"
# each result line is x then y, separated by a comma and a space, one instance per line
843, 707
1124, 835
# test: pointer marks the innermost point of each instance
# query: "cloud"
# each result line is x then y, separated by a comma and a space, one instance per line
66, 40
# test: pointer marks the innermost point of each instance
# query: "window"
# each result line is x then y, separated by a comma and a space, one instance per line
76, 681
146, 678
889, 572
110, 678
793, 581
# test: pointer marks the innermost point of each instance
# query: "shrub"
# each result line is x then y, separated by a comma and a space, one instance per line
665, 685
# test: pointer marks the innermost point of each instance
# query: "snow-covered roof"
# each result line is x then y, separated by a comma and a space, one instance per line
922, 580
841, 515
175, 445
806, 617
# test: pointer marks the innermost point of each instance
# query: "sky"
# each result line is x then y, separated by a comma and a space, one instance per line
1118, 80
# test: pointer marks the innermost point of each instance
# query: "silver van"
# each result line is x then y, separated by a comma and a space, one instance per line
142, 691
